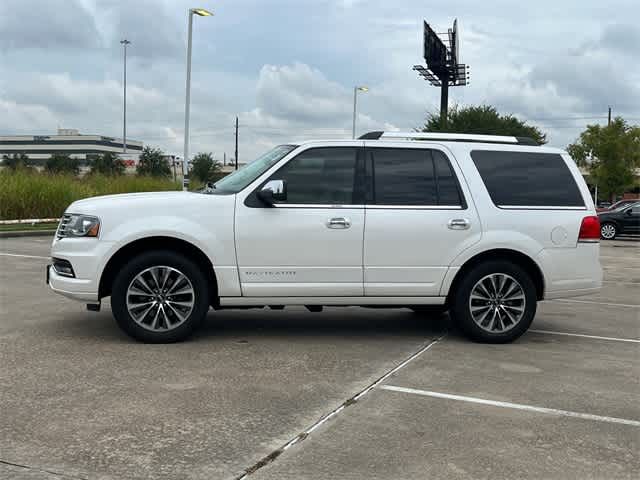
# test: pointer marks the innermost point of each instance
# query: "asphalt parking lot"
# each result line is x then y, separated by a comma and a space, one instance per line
348, 393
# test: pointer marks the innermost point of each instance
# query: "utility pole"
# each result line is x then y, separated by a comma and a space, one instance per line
224, 159
236, 143
609, 118
124, 43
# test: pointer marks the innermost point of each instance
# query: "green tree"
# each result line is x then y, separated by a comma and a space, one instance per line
62, 163
483, 120
16, 161
108, 164
204, 167
611, 153
153, 163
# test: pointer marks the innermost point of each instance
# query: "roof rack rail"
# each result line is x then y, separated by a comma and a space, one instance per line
450, 137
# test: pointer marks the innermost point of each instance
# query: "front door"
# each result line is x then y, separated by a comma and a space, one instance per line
417, 220
311, 243
631, 219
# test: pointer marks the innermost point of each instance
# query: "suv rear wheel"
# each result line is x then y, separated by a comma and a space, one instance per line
160, 297
495, 302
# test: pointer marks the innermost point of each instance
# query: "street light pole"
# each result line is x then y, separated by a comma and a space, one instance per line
124, 43
356, 89
187, 101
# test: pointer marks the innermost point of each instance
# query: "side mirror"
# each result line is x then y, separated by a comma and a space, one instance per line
628, 211
273, 191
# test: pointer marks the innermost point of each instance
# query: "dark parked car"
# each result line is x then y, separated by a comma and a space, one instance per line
606, 206
624, 220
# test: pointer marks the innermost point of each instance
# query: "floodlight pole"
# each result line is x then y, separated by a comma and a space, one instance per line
355, 103
124, 43
187, 101
444, 100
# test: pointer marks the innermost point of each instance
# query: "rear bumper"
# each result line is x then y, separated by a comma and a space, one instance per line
571, 272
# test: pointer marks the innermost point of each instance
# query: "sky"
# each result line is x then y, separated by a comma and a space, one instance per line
287, 68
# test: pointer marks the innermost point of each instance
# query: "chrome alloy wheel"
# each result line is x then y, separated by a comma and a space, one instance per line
607, 231
497, 303
160, 298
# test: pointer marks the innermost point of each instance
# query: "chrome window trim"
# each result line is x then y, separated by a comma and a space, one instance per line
315, 205
539, 207
413, 207
368, 206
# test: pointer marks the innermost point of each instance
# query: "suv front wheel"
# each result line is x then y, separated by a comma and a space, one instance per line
495, 302
160, 297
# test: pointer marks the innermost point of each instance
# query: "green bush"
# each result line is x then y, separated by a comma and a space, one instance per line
107, 164
62, 163
152, 163
25, 194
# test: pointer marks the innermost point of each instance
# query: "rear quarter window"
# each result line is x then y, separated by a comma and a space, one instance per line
527, 179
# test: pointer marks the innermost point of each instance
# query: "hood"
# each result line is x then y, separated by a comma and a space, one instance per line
133, 196
146, 203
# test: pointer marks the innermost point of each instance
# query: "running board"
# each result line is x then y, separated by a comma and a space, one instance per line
329, 301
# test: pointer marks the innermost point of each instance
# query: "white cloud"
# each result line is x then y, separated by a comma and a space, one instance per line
290, 80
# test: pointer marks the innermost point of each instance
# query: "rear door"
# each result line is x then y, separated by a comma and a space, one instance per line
419, 217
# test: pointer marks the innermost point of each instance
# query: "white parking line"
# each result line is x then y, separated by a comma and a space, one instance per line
595, 337
593, 302
516, 406
636, 284
22, 256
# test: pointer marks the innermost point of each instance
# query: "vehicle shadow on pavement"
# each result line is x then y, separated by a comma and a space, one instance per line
292, 322
339, 322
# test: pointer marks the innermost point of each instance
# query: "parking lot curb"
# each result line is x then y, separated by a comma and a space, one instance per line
28, 233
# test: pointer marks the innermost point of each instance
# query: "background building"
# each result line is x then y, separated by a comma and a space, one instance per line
69, 141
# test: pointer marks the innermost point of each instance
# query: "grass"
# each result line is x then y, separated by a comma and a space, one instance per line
20, 227
29, 194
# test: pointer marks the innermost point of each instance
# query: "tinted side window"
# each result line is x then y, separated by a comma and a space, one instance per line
412, 177
527, 179
320, 176
403, 177
448, 188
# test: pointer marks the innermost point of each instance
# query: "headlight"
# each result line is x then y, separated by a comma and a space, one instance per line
75, 225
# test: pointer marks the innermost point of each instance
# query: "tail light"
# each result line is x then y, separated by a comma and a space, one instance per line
589, 229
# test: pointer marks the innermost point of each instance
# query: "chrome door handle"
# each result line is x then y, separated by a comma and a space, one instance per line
459, 224
339, 222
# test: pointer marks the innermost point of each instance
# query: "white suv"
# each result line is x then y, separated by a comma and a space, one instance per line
482, 226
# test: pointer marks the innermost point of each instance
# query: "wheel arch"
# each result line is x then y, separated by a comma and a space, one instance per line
521, 259
611, 221
145, 244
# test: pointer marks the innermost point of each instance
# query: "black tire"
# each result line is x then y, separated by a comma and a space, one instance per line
608, 231
461, 303
184, 265
430, 310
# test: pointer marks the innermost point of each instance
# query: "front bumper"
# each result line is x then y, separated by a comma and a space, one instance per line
73, 288
86, 256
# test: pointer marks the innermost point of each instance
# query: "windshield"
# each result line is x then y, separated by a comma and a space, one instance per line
620, 206
239, 179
